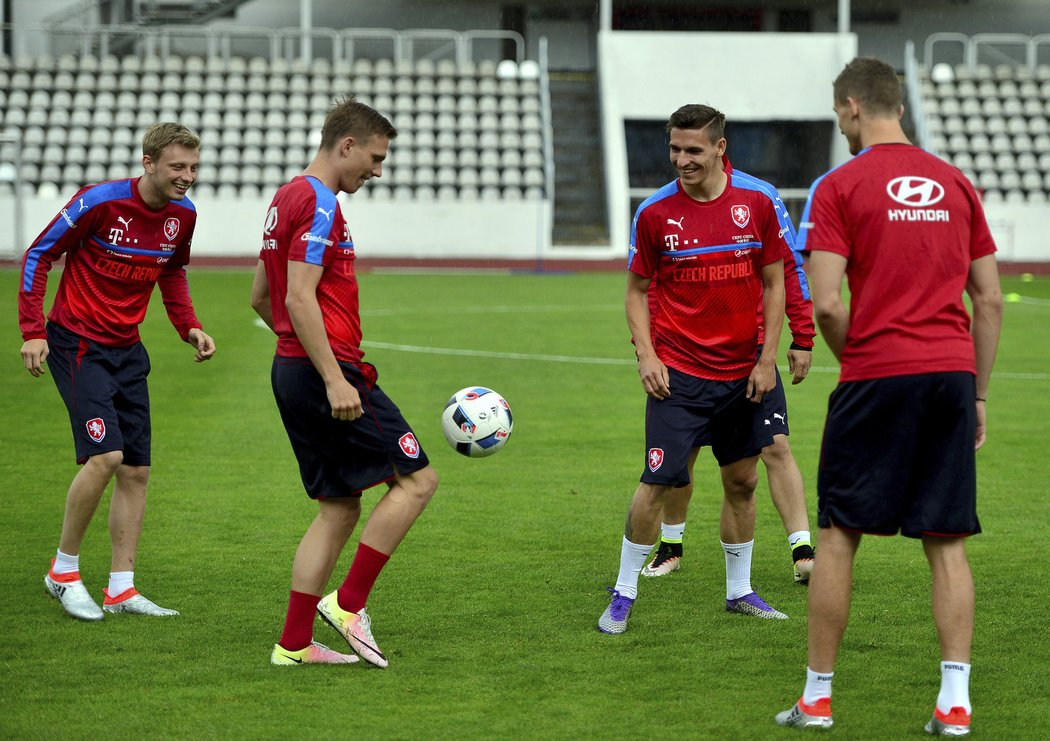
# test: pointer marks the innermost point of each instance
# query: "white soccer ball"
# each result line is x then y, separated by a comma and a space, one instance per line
477, 422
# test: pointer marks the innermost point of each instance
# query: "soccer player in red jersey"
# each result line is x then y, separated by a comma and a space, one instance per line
346, 433
705, 249
120, 239
782, 472
908, 233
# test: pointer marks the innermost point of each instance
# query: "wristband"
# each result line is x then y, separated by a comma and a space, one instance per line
980, 399
796, 346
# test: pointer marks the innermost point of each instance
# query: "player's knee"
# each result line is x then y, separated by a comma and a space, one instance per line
423, 484
108, 462
740, 485
778, 453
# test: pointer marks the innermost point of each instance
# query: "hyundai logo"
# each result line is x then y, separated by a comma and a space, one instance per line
915, 191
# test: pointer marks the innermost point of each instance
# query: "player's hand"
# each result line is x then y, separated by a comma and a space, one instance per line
34, 352
799, 363
205, 345
345, 401
982, 429
762, 380
655, 379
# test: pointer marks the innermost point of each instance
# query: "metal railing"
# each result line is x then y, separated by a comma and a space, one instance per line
977, 48
341, 46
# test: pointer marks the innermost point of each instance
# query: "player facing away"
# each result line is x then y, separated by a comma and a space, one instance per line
908, 233
782, 471
120, 239
347, 435
705, 249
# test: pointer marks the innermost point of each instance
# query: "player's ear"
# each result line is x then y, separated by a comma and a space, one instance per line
147, 163
346, 144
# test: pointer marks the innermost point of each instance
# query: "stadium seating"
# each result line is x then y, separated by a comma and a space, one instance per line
992, 124
466, 130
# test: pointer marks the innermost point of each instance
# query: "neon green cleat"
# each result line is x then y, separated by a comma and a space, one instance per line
355, 627
315, 653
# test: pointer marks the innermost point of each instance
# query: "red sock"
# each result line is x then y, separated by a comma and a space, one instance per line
299, 624
354, 591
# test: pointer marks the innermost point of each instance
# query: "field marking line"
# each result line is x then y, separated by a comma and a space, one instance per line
584, 360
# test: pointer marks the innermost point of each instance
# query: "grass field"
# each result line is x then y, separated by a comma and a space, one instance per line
488, 610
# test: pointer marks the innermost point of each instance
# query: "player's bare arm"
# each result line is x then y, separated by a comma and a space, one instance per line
306, 318
34, 352
826, 271
260, 295
203, 342
763, 378
987, 298
651, 370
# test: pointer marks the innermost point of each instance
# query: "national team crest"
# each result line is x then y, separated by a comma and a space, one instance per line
656, 458
96, 429
171, 228
741, 215
409, 446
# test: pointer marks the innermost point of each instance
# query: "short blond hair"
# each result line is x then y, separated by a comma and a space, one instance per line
160, 136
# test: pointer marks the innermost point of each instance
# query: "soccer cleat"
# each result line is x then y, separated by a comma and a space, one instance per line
665, 562
354, 627
803, 557
71, 592
315, 653
803, 570
752, 604
954, 723
133, 603
817, 715
614, 619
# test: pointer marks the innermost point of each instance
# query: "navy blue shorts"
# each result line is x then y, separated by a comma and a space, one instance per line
775, 409
898, 455
105, 392
700, 412
338, 458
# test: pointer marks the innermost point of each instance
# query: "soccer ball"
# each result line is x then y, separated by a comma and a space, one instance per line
476, 422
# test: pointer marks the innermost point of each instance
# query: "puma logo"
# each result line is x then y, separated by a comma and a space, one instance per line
677, 223
327, 214
82, 206
127, 224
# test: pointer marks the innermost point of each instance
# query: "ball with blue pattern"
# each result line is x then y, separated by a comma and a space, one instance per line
477, 422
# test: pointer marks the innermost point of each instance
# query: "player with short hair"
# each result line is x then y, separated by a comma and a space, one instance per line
347, 435
120, 239
907, 231
705, 249
782, 471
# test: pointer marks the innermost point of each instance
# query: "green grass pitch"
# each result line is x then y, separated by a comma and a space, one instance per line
488, 610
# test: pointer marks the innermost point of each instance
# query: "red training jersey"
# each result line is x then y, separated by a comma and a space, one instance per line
305, 224
705, 260
909, 225
117, 249
798, 304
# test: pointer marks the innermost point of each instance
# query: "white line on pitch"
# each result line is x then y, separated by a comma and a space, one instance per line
427, 350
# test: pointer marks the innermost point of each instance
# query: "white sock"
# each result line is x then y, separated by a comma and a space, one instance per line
672, 533
632, 559
120, 581
955, 687
799, 537
818, 686
738, 568
66, 564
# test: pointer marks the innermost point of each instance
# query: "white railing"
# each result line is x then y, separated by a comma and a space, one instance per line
990, 48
